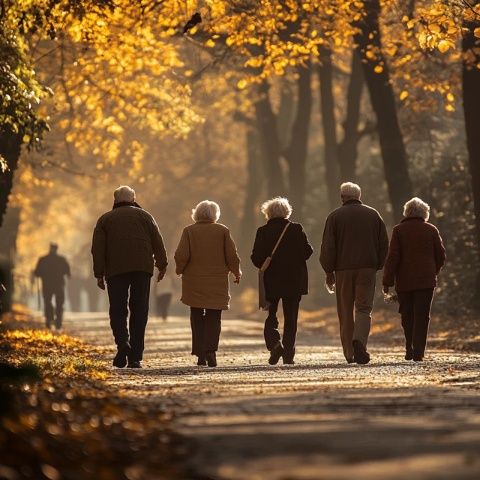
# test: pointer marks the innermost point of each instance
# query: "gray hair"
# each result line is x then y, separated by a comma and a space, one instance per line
416, 207
278, 207
351, 190
206, 211
124, 194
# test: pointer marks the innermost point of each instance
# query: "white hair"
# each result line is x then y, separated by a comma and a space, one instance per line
206, 211
278, 207
350, 190
124, 194
416, 207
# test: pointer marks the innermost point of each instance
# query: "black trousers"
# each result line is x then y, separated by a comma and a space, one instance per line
415, 312
290, 314
49, 292
129, 291
206, 328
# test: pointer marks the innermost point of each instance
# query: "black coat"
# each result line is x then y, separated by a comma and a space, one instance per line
287, 275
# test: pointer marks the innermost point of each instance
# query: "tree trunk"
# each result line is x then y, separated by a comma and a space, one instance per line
10, 146
8, 246
327, 107
286, 111
471, 109
296, 152
253, 189
347, 149
383, 102
270, 142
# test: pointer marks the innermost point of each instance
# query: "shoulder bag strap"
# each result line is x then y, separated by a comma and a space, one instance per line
280, 239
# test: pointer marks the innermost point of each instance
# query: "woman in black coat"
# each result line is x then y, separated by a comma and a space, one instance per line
286, 277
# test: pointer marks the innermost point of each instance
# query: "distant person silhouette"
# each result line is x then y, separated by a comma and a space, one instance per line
52, 269
163, 297
126, 241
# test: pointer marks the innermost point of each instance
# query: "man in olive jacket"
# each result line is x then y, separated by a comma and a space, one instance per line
354, 247
126, 241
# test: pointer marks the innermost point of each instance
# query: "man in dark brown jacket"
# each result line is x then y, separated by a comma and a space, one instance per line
126, 241
354, 247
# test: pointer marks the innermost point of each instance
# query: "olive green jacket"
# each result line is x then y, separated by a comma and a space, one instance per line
355, 237
127, 239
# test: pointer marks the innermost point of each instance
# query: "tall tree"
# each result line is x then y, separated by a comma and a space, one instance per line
377, 77
348, 147
270, 142
296, 152
10, 145
329, 124
471, 109
253, 189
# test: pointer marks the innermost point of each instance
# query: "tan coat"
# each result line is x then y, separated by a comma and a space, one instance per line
204, 257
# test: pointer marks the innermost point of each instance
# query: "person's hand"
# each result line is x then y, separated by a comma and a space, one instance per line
101, 283
237, 279
330, 280
386, 289
161, 274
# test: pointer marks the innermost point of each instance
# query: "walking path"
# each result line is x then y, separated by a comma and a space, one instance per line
320, 419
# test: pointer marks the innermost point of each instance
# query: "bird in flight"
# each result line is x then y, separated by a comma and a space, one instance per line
195, 20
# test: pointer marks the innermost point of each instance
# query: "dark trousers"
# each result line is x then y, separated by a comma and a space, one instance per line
415, 312
48, 293
290, 314
129, 291
206, 327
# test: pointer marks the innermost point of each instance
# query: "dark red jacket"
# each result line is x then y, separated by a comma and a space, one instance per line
415, 256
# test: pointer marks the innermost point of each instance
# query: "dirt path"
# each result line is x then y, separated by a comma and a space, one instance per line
320, 419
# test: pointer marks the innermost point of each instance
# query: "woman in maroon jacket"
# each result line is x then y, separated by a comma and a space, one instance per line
415, 257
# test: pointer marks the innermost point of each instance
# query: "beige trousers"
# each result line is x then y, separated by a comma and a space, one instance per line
355, 290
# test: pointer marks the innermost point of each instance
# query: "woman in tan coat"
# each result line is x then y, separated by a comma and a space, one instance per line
205, 256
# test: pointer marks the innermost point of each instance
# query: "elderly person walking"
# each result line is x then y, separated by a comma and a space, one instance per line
205, 256
286, 277
126, 241
354, 247
415, 257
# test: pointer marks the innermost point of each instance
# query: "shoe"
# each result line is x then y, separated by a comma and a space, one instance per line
211, 359
409, 355
275, 353
360, 354
202, 361
350, 360
417, 358
120, 360
288, 361
134, 364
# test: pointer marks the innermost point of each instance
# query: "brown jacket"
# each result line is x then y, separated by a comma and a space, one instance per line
204, 257
127, 239
415, 256
354, 237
